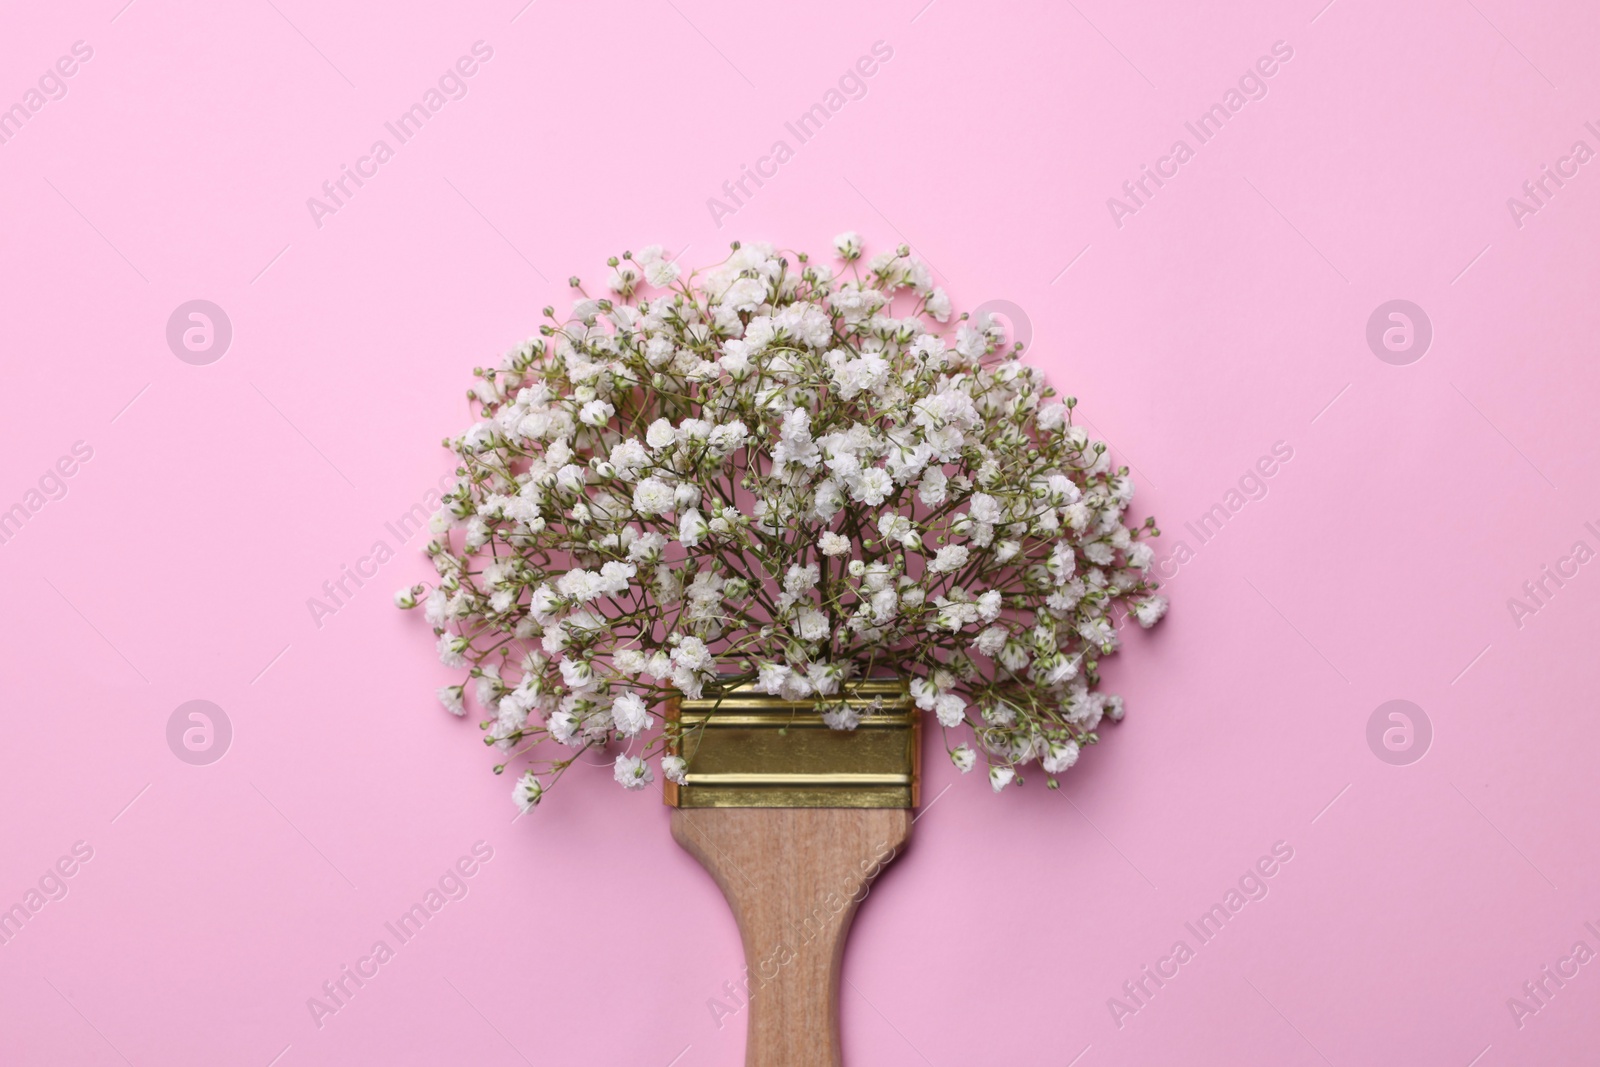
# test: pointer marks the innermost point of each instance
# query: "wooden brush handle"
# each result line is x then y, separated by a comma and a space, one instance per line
793, 877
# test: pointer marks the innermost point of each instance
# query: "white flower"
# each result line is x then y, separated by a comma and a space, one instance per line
848, 245
872, 487
852, 376
652, 496
746, 294
992, 640
563, 726
736, 358
614, 575
527, 792
1001, 714
833, 544
433, 609
1000, 777
579, 585
685, 496
1061, 756
450, 697
970, 342
450, 648
572, 477
660, 434
577, 674
693, 653
1097, 631
899, 529
801, 578
692, 528
596, 413
658, 351
631, 772
675, 769
795, 445
825, 677
647, 547
662, 273
630, 714
949, 558
812, 625
984, 508
826, 500
1063, 491
842, 716
1056, 669
963, 757
658, 665
554, 638
950, 709
771, 677
1150, 610
488, 688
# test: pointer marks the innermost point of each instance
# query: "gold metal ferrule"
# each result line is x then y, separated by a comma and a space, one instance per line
746, 749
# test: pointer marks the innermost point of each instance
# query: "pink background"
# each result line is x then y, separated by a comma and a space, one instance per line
1228, 314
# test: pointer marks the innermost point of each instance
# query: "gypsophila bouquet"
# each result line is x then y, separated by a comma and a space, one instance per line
772, 473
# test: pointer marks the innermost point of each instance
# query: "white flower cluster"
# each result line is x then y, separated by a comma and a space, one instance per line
767, 472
